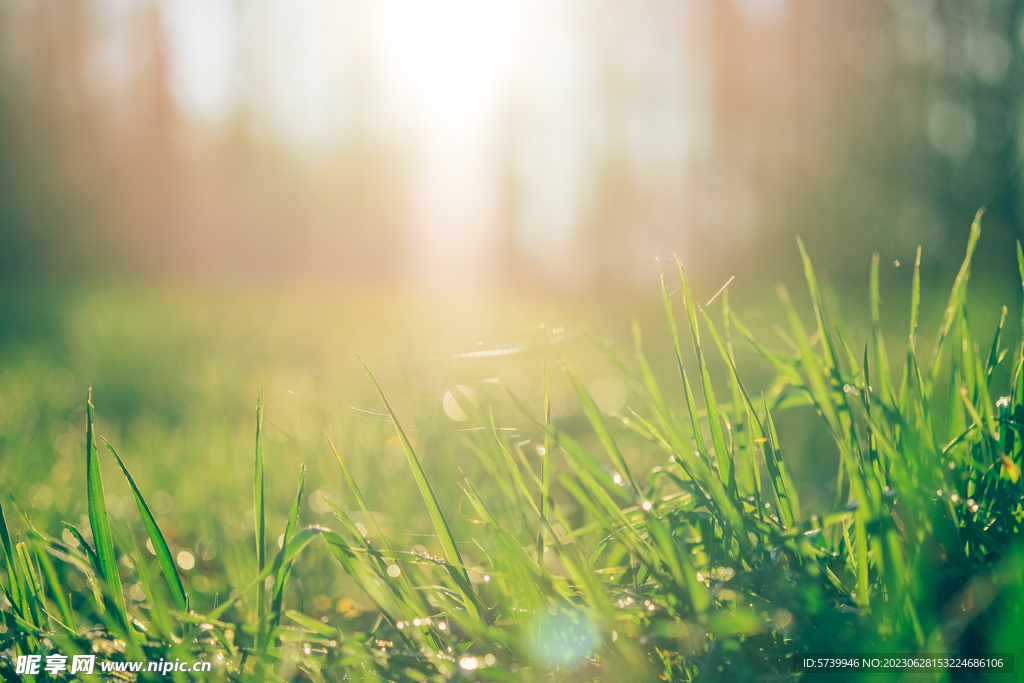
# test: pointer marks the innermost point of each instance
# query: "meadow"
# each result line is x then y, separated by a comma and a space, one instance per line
689, 497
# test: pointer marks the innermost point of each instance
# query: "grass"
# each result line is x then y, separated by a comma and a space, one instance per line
560, 559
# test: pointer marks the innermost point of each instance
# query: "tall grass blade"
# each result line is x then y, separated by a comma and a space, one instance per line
281, 571
829, 353
812, 368
600, 427
158, 611
360, 501
163, 553
98, 518
882, 373
956, 301
33, 589
915, 305
259, 515
725, 470
573, 449
692, 464
788, 514
67, 619
545, 487
14, 590
444, 534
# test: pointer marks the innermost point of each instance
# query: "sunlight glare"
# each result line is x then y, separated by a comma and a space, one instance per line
450, 55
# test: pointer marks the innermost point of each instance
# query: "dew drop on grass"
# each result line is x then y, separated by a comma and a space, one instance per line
468, 663
394, 571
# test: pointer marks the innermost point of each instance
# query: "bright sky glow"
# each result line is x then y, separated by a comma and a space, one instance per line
449, 55
476, 96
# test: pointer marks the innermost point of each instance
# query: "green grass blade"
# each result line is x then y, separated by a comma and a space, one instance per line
1020, 269
281, 571
159, 605
545, 487
444, 533
517, 476
831, 363
812, 367
956, 300
882, 373
597, 422
573, 449
33, 589
89, 552
769, 444
163, 553
360, 501
714, 417
15, 587
259, 515
915, 305
994, 355
98, 518
56, 590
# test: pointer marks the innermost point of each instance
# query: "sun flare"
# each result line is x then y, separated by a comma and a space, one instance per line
449, 56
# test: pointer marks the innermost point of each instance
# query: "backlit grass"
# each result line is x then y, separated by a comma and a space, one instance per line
555, 555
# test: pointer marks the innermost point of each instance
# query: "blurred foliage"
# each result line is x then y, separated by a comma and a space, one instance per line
713, 129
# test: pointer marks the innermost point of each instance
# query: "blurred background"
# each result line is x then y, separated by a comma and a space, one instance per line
197, 196
459, 142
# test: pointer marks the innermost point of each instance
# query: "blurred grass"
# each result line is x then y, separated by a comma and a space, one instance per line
177, 372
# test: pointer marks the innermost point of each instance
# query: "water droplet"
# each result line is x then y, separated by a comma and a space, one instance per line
394, 571
469, 663
442, 625
647, 505
617, 478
